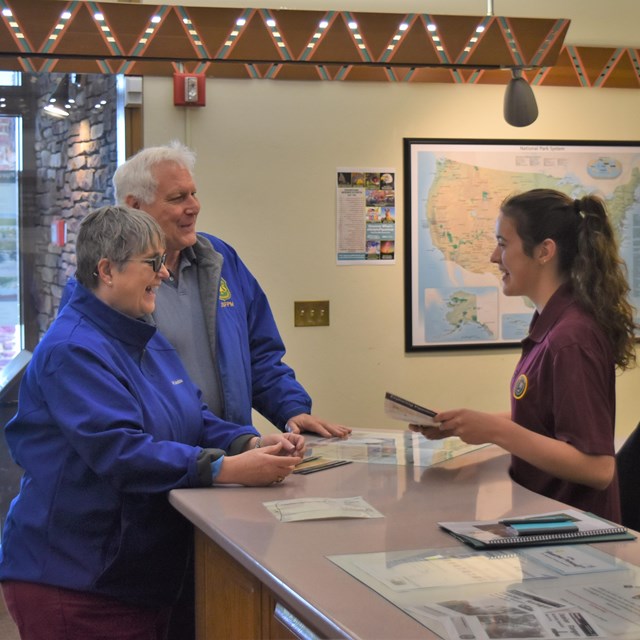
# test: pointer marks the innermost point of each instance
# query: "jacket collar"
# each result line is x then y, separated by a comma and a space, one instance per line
110, 321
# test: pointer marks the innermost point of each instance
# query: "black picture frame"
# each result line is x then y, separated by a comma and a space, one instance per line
452, 193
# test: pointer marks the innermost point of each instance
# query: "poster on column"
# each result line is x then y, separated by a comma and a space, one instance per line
366, 216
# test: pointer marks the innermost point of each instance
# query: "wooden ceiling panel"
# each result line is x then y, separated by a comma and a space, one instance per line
593, 62
297, 47
8, 42
491, 49
455, 32
330, 71
494, 76
529, 36
14, 64
151, 68
378, 30
415, 46
262, 70
128, 26
170, 35
297, 72
623, 76
297, 29
81, 36
336, 45
36, 19
551, 55
562, 74
441, 76
76, 66
367, 74
255, 42
213, 27
231, 71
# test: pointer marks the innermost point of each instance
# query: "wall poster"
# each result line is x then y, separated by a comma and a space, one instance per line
453, 192
366, 216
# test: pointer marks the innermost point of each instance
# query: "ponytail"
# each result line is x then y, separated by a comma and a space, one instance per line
599, 278
587, 256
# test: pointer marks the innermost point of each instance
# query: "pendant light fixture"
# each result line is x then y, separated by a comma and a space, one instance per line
520, 107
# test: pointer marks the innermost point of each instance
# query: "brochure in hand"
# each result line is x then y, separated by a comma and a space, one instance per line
568, 526
407, 411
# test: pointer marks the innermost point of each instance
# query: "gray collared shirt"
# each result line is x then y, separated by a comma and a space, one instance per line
180, 318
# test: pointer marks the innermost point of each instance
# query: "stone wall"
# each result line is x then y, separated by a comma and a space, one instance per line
75, 159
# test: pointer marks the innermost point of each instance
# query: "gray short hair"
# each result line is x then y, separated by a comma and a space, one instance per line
135, 176
116, 233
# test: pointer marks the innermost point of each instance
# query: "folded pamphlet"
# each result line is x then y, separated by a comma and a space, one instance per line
401, 409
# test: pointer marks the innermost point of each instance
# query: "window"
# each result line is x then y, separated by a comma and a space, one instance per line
11, 334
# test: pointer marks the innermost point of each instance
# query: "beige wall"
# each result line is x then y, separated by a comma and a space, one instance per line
268, 152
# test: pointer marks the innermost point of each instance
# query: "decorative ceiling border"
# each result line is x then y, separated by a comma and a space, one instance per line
135, 39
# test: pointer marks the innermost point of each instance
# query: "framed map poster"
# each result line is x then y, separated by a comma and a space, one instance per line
453, 191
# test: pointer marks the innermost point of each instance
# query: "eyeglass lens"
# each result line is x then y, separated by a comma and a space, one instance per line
157, 262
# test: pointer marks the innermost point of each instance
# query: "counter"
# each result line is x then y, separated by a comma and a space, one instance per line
249, 566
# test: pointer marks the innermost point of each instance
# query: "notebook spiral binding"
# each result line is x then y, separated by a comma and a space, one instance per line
549, 537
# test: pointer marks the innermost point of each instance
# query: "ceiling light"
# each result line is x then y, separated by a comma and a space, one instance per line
59, 98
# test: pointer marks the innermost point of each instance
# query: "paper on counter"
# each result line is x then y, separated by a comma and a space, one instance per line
321, 509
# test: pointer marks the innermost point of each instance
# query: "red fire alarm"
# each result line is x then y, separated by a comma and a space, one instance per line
59, 233
188, 89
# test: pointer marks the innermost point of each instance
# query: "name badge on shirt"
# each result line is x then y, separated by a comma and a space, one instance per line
520, 387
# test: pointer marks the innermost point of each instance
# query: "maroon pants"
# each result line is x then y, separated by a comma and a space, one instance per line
43, 612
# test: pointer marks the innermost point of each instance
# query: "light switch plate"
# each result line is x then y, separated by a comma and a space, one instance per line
311, 313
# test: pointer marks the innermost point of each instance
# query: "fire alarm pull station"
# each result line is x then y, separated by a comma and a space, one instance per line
188, 89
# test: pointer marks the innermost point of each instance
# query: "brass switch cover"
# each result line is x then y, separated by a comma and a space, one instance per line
311, 313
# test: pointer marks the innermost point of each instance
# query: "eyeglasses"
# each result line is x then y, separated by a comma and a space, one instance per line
156, 263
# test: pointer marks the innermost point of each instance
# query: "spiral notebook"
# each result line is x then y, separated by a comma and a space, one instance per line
567, 526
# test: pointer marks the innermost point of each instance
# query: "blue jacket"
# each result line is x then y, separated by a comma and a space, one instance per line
108, 422
244, 337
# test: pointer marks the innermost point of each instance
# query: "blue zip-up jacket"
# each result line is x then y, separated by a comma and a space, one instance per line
244, 338
108, 422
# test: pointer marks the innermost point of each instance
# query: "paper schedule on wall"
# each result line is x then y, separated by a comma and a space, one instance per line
366, 216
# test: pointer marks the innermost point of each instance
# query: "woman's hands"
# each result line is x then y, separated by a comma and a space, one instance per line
555, 457
323, 428
270, 463
473, 427
293, 444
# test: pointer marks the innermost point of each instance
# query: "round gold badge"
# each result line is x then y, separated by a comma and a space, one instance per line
520, 387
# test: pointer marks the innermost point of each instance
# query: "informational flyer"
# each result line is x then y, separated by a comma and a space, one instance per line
366, 216
379, 446
321, 509
538, 593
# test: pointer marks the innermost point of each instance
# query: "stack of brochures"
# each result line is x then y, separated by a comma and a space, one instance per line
311, 464
402, 409
568, 526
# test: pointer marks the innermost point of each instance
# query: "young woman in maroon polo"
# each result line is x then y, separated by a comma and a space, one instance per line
562, 254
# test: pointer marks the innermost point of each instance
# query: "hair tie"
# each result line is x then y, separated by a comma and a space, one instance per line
577, 208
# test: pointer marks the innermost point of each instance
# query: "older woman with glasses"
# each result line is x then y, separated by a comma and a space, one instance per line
108, 423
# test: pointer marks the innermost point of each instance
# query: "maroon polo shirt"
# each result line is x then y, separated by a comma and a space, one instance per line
564, 388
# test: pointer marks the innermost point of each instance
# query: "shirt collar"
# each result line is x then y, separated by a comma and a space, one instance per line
542, 323
189, 254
